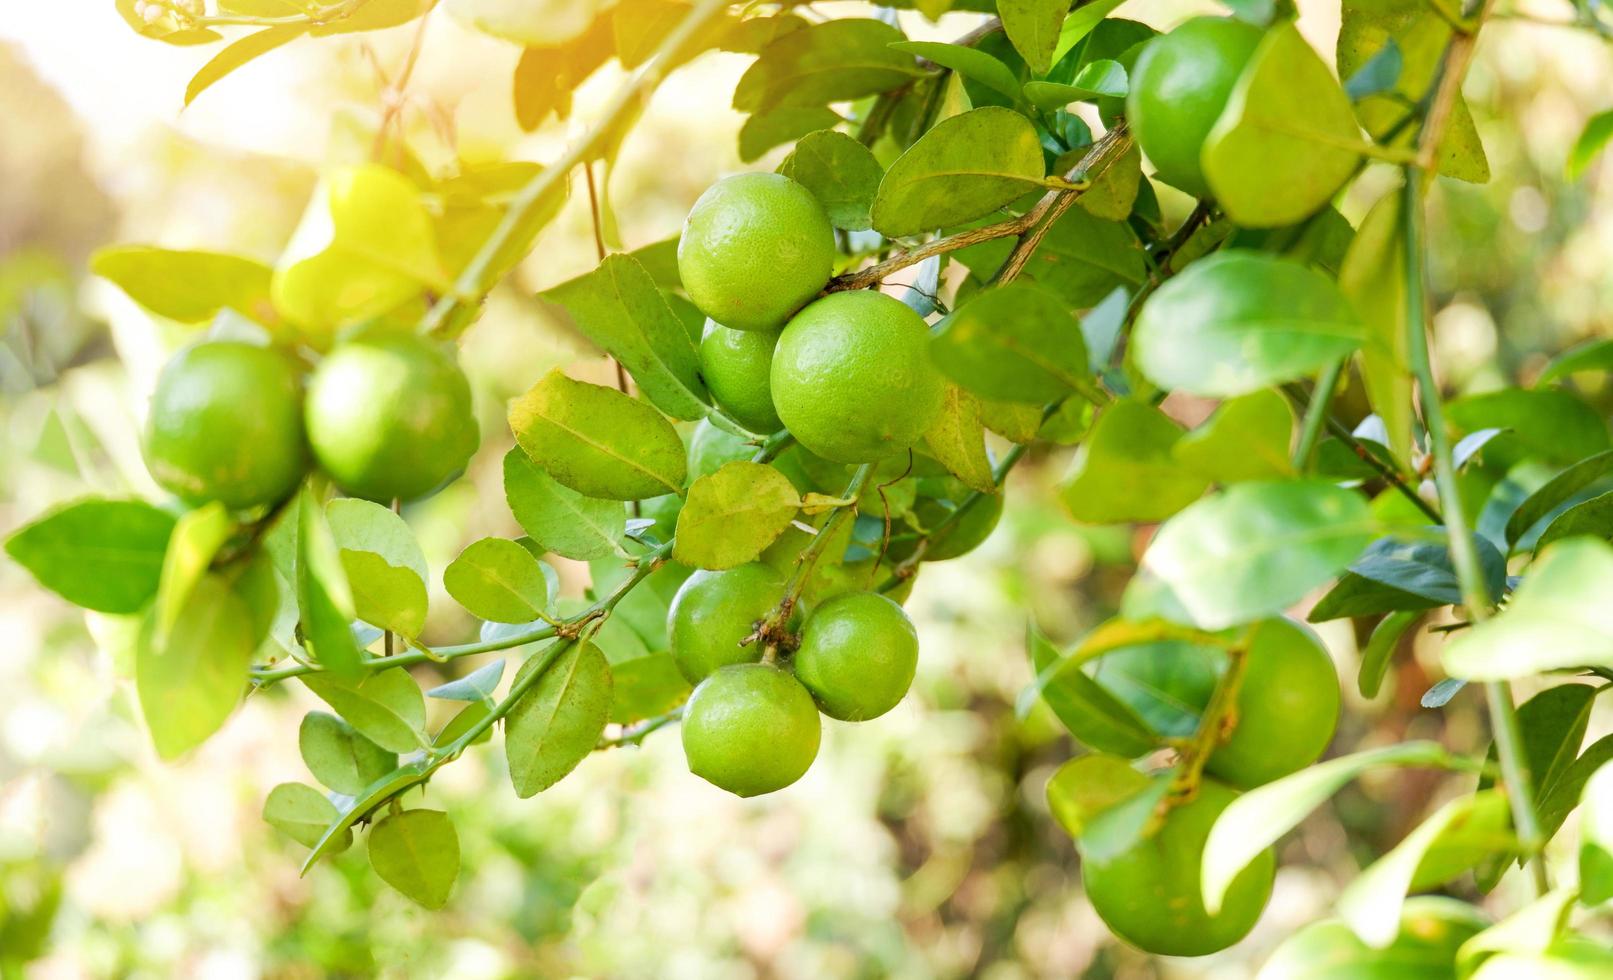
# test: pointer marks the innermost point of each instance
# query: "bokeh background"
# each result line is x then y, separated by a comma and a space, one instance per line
918, 846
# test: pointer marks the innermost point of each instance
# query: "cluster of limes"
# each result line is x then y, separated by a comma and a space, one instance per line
386, 416
751, 727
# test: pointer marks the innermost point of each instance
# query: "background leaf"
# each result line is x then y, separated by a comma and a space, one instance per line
191, 287
963, 168
105, 555
417, 852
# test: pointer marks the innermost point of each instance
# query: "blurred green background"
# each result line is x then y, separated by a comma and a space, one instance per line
918, 846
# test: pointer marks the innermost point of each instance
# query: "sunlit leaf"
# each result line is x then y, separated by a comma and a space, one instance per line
105, 555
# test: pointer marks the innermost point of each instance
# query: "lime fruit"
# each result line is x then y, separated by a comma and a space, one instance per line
750, 729
1287, 709
712, 612
1179, 87
1149, 895
754, 249
852, 377
226, 424
390, 417
857, 656
737, 366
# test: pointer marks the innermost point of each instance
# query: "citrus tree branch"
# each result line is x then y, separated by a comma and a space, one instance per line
471, 284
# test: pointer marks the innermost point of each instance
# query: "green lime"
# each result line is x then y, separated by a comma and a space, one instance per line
711, 448
750, 729
755, 248
737, 365
390, 417
857, 656
1149, 895
1181, 83
852, 377
226, 424
1288, 706
713, 612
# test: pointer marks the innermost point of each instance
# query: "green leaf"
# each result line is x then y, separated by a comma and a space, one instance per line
765, 130
417, 852
478, 685
1380, 648
558, 518
1033, 26
558, 723
339, 757
1082, 260
1096, 80
364, 245
1239, 321
957, 440
391, 785
1125, 470
1079, 23
965, 167
1591, 356
325, 604
1093, 715
618, 307
238, 53
383, 564
1256, 548
1531, 929
1557, 491
498, 580
1371, 904
1394, 574
1556, 619
385, 707
1286, 141
1596, 838
197, 536
1593, 518
105, 555
1431, 930
1247, 438
1088, 785
840, 172
732, 514
971, 63
833, 61
190, 684
1015, 343
191, 287
1113, 194
598, 441
300, 812
1255, 820
1592, 140
1373, 276
1553, 425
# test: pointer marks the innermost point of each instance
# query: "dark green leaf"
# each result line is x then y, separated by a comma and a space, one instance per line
765, 130
1553, 425
1014, 343
1396, 575
1558, 491
1380, 648
968, 62
1593, 518
1095, 80
1591, 356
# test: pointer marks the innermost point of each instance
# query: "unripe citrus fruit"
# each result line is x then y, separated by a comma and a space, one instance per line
852, 377
1288, 706
737, 365
390, 417
1149, 895
750, 729
226, 425
711, 448
857, 656
1180, 85
713, 611
755, 248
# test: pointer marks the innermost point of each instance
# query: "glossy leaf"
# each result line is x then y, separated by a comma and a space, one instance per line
385, 707
558, 722
1256, 548
301, 813
1125, 470
339, 757
598, 441
198, 534
105, 555
417, 852
732, 514
393, 784
1286, 141
1014, 343
840, 172
1394, 574
191, 287
1558, 491
1557, 618
1247, 438
785, 124
965, 167
619, 308
190, 683
498, 580
559, 518
1593, 518
971, 63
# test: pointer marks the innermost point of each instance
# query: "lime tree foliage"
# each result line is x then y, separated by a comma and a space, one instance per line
1098, 221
